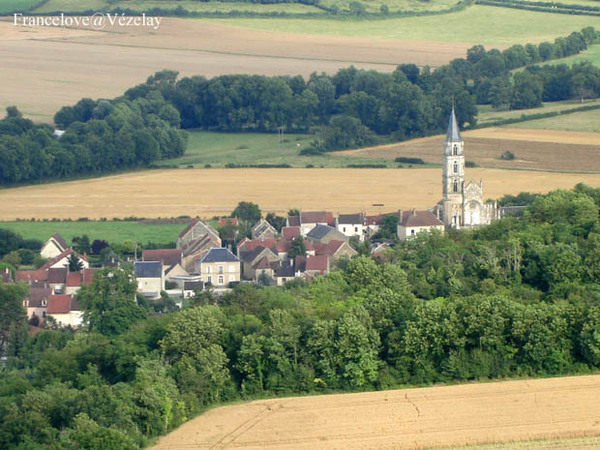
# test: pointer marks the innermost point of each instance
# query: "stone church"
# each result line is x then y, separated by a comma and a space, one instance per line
462, 204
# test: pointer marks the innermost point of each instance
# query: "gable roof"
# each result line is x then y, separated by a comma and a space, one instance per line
318, 262
168, 256
320, 231
261, 226
219, 255
36, 295
59, 304
419, 219
374, 220
293, 221
263, 264
60, 240
351, 219
64, 254
74, 279
290, 233
285, 270
148, 269
57, 275
453, 133
330, 248
188, 227
314, 217
32, 275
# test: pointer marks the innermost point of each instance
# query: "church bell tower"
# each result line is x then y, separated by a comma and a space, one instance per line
453, 178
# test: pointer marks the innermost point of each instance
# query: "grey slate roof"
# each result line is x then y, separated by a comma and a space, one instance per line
351, 219
320, 231
453, 134
148, 269
219, 255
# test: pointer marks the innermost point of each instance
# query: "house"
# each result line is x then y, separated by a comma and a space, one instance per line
250, 260
6, 275
62, 260
310, 219
335, 250
195, 230
322, 234
194, 241
263, 230
290, 233
57, 279
413, 222
352, 225
373, 223
167, 256
65, 310
36, 303
77, 279
150, 278
220, 267
284, 273
379, 250
316, 265
54, 246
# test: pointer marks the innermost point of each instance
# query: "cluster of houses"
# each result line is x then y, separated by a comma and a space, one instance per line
200, 260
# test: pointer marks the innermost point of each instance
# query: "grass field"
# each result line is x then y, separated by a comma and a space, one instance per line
555, 151
469, 414
111, 231
588, 121
476, 25
219, 149
211, 192
487, 114
7, 6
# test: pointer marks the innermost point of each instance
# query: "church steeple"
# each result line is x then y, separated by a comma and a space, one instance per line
453, 133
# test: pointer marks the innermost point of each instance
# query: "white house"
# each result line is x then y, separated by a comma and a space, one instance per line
53, 247
413, 222
150, 278
352, 225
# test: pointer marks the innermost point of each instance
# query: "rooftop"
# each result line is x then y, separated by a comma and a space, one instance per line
148, 269
219, 255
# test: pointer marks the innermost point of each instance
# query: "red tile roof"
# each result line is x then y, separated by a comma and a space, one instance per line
262, 264
374, 220
315, 217
328, 249
168, 256
293, 221
57, 275
32, 275
59, 304
74, 279
57, 258
88, 275
224, 221
419, 219
252, 244
290, 233
318, 263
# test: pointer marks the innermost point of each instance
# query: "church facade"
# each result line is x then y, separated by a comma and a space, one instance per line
462, 204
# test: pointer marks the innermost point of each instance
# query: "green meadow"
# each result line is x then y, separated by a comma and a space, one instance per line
110, 231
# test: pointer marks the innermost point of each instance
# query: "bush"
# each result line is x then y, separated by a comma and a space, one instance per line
471, 163
408, 160
507, 156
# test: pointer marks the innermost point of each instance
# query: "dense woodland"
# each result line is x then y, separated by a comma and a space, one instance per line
517, 298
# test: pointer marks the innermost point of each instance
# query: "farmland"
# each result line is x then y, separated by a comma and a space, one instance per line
533, 149
410, 418
210, 192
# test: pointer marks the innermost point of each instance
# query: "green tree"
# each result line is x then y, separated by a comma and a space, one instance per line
297, 248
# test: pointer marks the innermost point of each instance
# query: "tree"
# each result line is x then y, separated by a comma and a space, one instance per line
75, 264
527, 92
297, 248
247, 211
109, 303
13, 320
81, 244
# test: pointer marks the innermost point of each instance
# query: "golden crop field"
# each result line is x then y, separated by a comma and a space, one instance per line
549, 150
44, 69
210, 192
404, 419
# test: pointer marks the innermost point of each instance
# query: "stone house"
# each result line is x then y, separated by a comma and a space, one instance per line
413, 222
220, 267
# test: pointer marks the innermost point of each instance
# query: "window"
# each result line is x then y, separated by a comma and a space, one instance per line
356, 229
221, 269
209, 279
455, 185
455, 167
221, 280
44, 303
344, 229
455, 150
208, 269
412, 232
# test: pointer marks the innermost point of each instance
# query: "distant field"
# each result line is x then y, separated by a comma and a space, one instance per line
557, 151
487, 114
7, 6
491, 26
592, 54
210, 192
111, 231
219, 149
580, 121
477, 413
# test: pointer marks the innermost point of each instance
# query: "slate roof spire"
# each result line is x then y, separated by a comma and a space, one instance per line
453, 134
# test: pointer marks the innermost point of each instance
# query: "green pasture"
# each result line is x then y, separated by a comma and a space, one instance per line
578, 121
592, 54
219, 149
110, 231
487, 114
486, 25
8, 6
374, 6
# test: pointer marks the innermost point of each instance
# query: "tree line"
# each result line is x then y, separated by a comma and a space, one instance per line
517, 298
100, 136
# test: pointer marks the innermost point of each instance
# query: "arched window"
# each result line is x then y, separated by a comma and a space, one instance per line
455, 185
455, 166
455, 150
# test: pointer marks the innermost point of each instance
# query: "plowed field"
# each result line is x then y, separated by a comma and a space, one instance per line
404, 419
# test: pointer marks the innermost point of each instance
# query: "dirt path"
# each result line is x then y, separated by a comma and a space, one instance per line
403, 419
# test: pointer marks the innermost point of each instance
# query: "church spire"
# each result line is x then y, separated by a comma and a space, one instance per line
453, 134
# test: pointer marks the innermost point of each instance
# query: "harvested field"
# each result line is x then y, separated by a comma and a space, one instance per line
403, 419
209, 192
561, 151
45, 70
